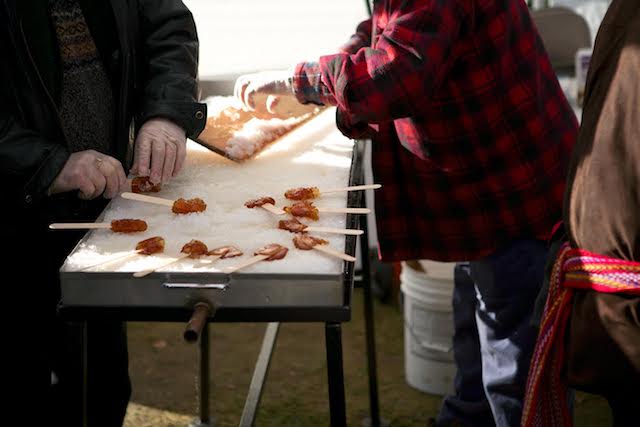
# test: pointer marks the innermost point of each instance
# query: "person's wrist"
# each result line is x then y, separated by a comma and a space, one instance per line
170, 126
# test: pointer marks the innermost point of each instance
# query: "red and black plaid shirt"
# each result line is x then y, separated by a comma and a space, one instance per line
471, 130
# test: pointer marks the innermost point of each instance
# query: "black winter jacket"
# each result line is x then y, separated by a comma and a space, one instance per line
150, 51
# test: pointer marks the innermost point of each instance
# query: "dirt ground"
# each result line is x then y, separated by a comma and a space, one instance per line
163, 371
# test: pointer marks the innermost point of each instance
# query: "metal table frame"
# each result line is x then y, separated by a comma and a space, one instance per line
331, 316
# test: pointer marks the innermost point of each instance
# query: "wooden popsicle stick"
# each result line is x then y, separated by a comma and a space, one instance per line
271, 208
327, 250
162, 265
352, 188
147, 199
345, 210
208, 259
345, 231
254, 260
121, 258
78, 225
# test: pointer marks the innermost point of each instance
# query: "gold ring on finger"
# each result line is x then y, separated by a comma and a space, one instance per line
99, 161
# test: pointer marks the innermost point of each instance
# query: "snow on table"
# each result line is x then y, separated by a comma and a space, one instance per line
315, 154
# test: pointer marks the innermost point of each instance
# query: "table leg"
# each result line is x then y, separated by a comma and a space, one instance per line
205, 419
337, 405
374, 406
85, 381
259, 375
204, 375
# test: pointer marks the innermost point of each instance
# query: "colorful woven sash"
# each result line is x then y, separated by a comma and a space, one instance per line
546, 402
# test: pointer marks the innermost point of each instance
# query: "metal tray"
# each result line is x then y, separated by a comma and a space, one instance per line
264, 297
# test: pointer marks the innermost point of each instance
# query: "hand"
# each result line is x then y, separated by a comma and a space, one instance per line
270, 84
92, 173
160, 150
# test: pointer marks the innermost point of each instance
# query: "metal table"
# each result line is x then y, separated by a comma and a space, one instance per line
256, 297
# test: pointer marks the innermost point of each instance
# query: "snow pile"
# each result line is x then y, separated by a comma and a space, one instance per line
314, 154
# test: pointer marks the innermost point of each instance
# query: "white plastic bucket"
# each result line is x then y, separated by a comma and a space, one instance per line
428, 327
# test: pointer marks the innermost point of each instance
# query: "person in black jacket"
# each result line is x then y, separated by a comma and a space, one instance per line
89, 89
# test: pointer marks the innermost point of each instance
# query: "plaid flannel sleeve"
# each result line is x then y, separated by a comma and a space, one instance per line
308, 86
390, 81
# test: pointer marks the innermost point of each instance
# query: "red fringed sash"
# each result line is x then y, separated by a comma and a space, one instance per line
546, 396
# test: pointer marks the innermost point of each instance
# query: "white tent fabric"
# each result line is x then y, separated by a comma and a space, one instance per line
242, 36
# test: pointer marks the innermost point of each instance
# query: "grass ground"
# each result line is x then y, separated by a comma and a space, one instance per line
163, 371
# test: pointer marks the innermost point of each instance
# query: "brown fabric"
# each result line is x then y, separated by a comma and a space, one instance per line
602, 211
603, 198
604, 343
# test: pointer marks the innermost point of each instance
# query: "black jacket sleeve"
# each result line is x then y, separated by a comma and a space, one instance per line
28, 163
170, 64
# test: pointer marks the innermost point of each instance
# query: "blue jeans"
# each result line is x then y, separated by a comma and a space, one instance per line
493, 301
